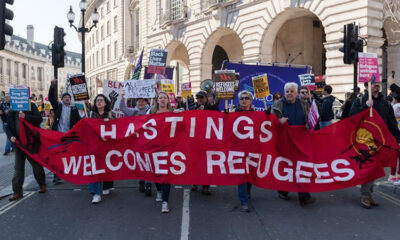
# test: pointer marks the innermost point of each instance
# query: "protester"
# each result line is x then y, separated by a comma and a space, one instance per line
162, 105
385, 111
179, 102
295, 111
326, 107
245, 104
276, 96
203, 104
393, 177
50, 120
101, 110
13, 120
4, 109
65, 115
350, 97
305, 94
142, 106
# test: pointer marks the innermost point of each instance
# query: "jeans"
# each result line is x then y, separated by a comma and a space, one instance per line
165, 189
19, 171
8, 143
323, 124
367, 189
96, 188
243, 194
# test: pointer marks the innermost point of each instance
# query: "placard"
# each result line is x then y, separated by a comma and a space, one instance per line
167, 86
158, 57
113, 90
186, 89
308, 80
139, 88
261, 87
368, 68
19, 98
79, 87
224, 84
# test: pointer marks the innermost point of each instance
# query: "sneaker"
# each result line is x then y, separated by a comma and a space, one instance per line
373, 202
106, 192
309, 201
158, 197
365, 203
147, 190
392, 179
164, 207
5, 153
141, 186
244, 208
96, 199
283, 196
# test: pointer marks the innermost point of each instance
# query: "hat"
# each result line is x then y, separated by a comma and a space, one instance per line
395, 89
145, 99
65, 94
201, 93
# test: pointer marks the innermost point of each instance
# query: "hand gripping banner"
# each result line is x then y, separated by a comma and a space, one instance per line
214, 148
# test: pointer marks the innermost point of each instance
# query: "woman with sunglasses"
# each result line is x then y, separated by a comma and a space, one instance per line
101, 110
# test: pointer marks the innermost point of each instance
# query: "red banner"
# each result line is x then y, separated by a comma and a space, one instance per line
213, 148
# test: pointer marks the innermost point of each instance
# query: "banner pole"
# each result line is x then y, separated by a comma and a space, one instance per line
187, 103
370, 97
265, 103
226, 105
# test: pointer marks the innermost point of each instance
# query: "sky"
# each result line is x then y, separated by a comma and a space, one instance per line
44, 15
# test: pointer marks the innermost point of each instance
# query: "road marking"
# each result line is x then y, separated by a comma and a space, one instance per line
389, 198
185, 215
12, 204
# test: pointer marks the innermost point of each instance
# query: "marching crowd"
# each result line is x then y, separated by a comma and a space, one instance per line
292, 107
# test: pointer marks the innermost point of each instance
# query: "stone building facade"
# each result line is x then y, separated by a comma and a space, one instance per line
200, 34
26, 62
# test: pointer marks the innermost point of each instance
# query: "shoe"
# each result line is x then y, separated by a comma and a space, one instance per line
365, 203
57, 180
164, 207
42, 189
206, 191
106, 192
284, 196
147, 190
96, 199
373, 202
15, 196
194, 188
12, 149
158, 197
244, 208
141, 186
392, 179
5, 153
311, 200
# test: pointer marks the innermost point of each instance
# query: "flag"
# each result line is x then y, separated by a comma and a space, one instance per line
138, 68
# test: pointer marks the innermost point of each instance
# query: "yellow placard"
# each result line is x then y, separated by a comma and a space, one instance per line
186, 94
167, 86
261, 87
47, 107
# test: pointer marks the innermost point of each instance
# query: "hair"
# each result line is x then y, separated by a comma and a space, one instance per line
107, 107
304, 87
275, 96
156, 107
290, 85
328, 89
248, 93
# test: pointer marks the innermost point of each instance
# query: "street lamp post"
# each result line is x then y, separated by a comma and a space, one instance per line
83, 30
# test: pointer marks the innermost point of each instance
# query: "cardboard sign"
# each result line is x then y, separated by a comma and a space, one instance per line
308, 80
166, 72
224, 84
167, 86
158, 57
186, 89
47, 106
113, 90
237, 81
79, 87
172, 99
261, 87
139, 88
320, 82
19, 96
313, 116
368, 68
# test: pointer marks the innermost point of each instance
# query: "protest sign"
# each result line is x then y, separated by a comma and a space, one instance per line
19, 98
172, 99
157, 61
313, 116
186, 89
139, 88
113, 90
368, 68
237, 81
308, 80
47, 106
260, 85
167, 86
79, 87
167, 74
224, 84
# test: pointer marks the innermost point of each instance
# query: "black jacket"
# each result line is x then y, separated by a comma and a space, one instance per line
57, 106
207, 106
34, 117
326, 108
5, 106
385, 111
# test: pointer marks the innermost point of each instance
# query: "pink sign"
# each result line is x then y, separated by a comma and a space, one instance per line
368, 68
313, 116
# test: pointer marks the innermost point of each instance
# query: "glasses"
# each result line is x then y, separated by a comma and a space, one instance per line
99, 100
244, 98
303, 92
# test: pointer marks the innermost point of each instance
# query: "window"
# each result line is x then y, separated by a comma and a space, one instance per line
39, 74
116, 49
115, 3
102, 56
16, 69
102, 32
97, 58
23, 71
108, 7
108, 53
115, 23
33, 73
8, 67
101, 12
1, 65
97, 36
108, 28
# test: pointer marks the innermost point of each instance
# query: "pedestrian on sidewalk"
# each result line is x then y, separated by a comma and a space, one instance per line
13, 120
66, 115
4, 109
101, 110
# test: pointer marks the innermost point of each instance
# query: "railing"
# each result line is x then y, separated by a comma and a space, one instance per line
206, 4
173, 15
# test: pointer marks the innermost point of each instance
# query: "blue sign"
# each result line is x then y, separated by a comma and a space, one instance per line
20, 99
277, 77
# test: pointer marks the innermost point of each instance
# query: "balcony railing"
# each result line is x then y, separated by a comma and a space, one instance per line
173, 15
211, 4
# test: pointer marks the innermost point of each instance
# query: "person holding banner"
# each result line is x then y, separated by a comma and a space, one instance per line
294, 111
326, 107
162, 105
4, 109
66, 116
101, 110
13, 120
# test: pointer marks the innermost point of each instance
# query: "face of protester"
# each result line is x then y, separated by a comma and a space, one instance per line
376, 87
52, 113
7, 97
304, 94
201, 100
179, 99
66, 100
100, 103
162, 100
291, 94
141, 104
245, 101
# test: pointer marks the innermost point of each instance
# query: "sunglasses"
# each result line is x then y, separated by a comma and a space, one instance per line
244, 98
302, 92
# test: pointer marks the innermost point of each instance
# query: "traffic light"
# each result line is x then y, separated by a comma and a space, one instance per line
57, 49
5, 14
351, 44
